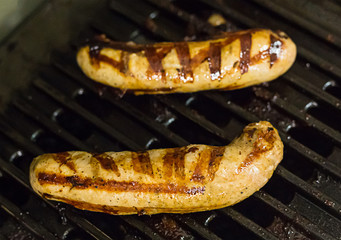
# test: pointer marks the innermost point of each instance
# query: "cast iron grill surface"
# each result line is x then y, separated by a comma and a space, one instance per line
60, 109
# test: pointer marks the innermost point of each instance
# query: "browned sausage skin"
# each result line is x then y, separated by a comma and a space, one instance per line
177, 180
234, 60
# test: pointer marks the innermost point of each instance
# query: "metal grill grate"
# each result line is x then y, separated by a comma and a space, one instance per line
63, 110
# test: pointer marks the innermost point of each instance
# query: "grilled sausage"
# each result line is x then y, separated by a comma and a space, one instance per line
235, 60
177, 180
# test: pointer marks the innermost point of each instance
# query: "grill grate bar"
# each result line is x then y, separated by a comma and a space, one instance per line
25, 219
17, 138
84, 224
204, 232
312, 89
51, 125
59, 97
302, 50
136, 17
293, 216
133, 221
309, 120
209, 126
302, 21
250, 225
329, 203
123, 105
293, 144
185, 16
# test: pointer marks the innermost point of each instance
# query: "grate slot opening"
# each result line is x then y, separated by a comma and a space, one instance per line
304, 134
327, 115
113, 226
3, 217
224, 226
22, 161
279, 189
73, 124
19, 197
298, 165
115, 117
210, 110
193, 133
256, 210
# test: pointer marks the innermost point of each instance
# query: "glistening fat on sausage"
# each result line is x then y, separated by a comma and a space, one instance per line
177, 180
235, 60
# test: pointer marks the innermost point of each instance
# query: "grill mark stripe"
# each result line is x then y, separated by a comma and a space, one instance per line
141, 163
108, 60
186, 73
107, 163
154, 58
201, 167
217, 154
214, 60
114, 186
168, 163
63, 159
245, 47
275, 49
201, 56
179, 163
175, 158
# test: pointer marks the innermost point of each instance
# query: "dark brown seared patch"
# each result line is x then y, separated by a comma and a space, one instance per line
217, 154
107, 163
208, 164
175, 159
154, 56
64, 158
200, 170
185, 73
267, 137
275, 49
115, 186
199, 58
245, 48
106, 59
250, 132
214, 60
141, 163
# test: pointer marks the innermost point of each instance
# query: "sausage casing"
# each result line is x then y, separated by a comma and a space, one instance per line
176, 180
235, 60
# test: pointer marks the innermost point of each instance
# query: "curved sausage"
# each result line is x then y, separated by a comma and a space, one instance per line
235, 60
176, 180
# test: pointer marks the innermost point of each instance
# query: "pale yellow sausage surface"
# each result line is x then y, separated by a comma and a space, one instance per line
235, 60
177, 180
